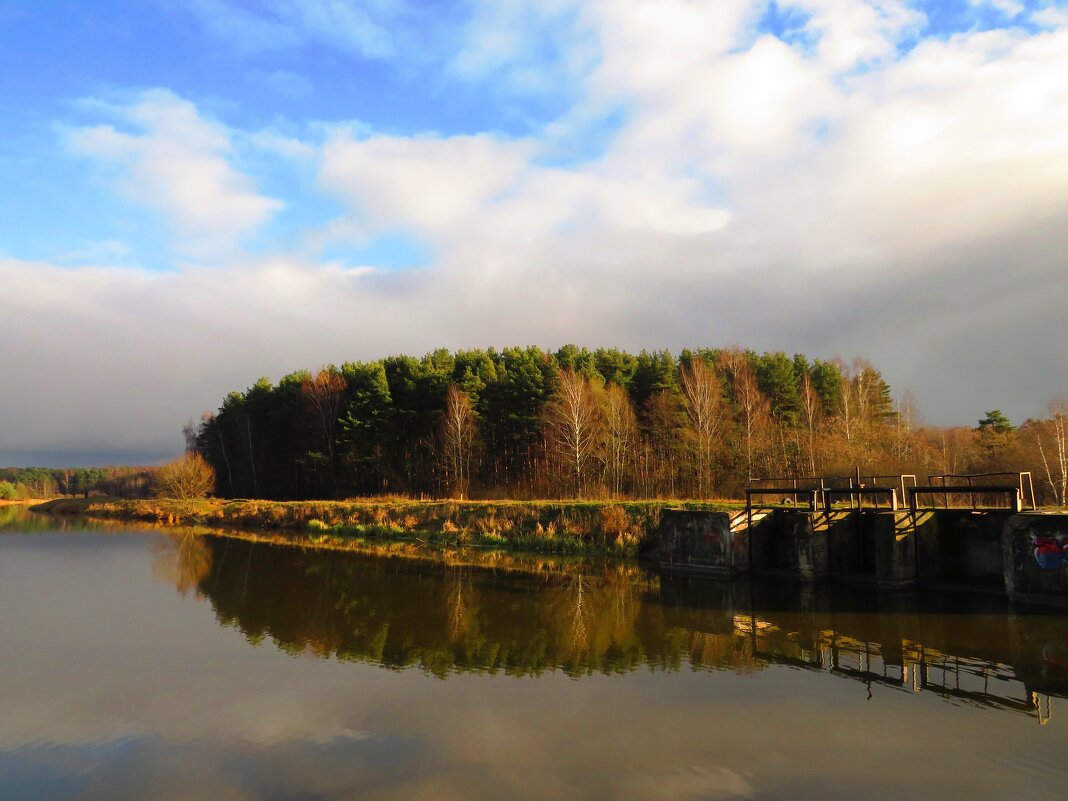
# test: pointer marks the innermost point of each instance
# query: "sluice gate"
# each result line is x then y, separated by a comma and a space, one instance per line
977, 537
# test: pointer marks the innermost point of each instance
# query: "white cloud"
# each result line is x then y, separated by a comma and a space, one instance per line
754, 192
854, 33
177, 162
427, 183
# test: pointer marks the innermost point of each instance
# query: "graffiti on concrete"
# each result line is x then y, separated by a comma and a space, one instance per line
1050, 550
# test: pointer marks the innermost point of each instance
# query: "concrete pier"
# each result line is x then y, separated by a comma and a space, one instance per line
713, 542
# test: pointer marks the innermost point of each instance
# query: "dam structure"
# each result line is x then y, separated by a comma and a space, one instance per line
975, 533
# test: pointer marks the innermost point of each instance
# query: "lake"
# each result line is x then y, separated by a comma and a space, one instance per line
153, 664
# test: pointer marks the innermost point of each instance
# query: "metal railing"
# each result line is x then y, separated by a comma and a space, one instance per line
966, 483
811, 497
839, 486
858, 494
974, 493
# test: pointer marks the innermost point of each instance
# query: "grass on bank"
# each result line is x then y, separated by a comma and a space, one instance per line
616, 528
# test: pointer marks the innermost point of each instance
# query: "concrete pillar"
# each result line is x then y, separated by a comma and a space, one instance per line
895, 549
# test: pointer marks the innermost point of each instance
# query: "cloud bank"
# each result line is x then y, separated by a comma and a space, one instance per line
839, 183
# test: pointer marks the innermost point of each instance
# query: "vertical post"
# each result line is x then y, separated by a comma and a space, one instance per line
749, 525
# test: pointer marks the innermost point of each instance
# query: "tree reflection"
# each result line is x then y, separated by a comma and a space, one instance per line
182, 558
583, 618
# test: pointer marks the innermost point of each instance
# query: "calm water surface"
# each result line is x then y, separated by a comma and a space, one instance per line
151, 665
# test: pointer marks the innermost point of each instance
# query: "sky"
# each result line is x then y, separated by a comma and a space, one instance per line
197, 194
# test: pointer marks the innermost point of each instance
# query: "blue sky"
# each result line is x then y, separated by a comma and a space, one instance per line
392, 161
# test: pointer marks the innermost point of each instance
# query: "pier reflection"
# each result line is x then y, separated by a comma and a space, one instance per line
584, 619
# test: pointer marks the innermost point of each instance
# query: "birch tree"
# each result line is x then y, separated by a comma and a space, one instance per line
574, 428
703, 401
811, 417
621, 433
751, 403
458, 434
1057, 476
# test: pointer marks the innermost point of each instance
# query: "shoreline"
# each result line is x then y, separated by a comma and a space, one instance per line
581, 528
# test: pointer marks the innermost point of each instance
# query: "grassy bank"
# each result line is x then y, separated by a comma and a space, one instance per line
611, 527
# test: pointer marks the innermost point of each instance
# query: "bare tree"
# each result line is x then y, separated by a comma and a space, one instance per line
703, 401
621, 433
574, 427
191, 434
1058, 409
904, 423
752, 405
811, 416
458, 435
186, 478
847, 408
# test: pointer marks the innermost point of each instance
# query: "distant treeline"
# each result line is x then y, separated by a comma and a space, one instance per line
47, 482
526, 423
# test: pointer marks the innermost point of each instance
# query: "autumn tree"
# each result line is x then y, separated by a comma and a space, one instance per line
904, 423
186, 478
322, 395
703, 400
621, 434
574, 428
811, 417
457, 440
749, 401
1050, 438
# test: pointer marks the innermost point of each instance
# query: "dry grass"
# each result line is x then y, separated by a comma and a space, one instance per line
614, 527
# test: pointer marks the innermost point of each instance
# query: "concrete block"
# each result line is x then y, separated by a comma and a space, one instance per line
703, 539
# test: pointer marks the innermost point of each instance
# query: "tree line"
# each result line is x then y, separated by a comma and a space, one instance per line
47, 482
527, 423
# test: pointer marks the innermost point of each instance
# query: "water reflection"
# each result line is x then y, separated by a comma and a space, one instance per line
183, 558
584, 619
116, 686
20, 519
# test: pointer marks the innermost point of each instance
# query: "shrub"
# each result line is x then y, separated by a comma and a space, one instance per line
186, 478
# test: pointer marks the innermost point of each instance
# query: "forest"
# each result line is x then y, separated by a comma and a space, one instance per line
525, 423
48, 482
